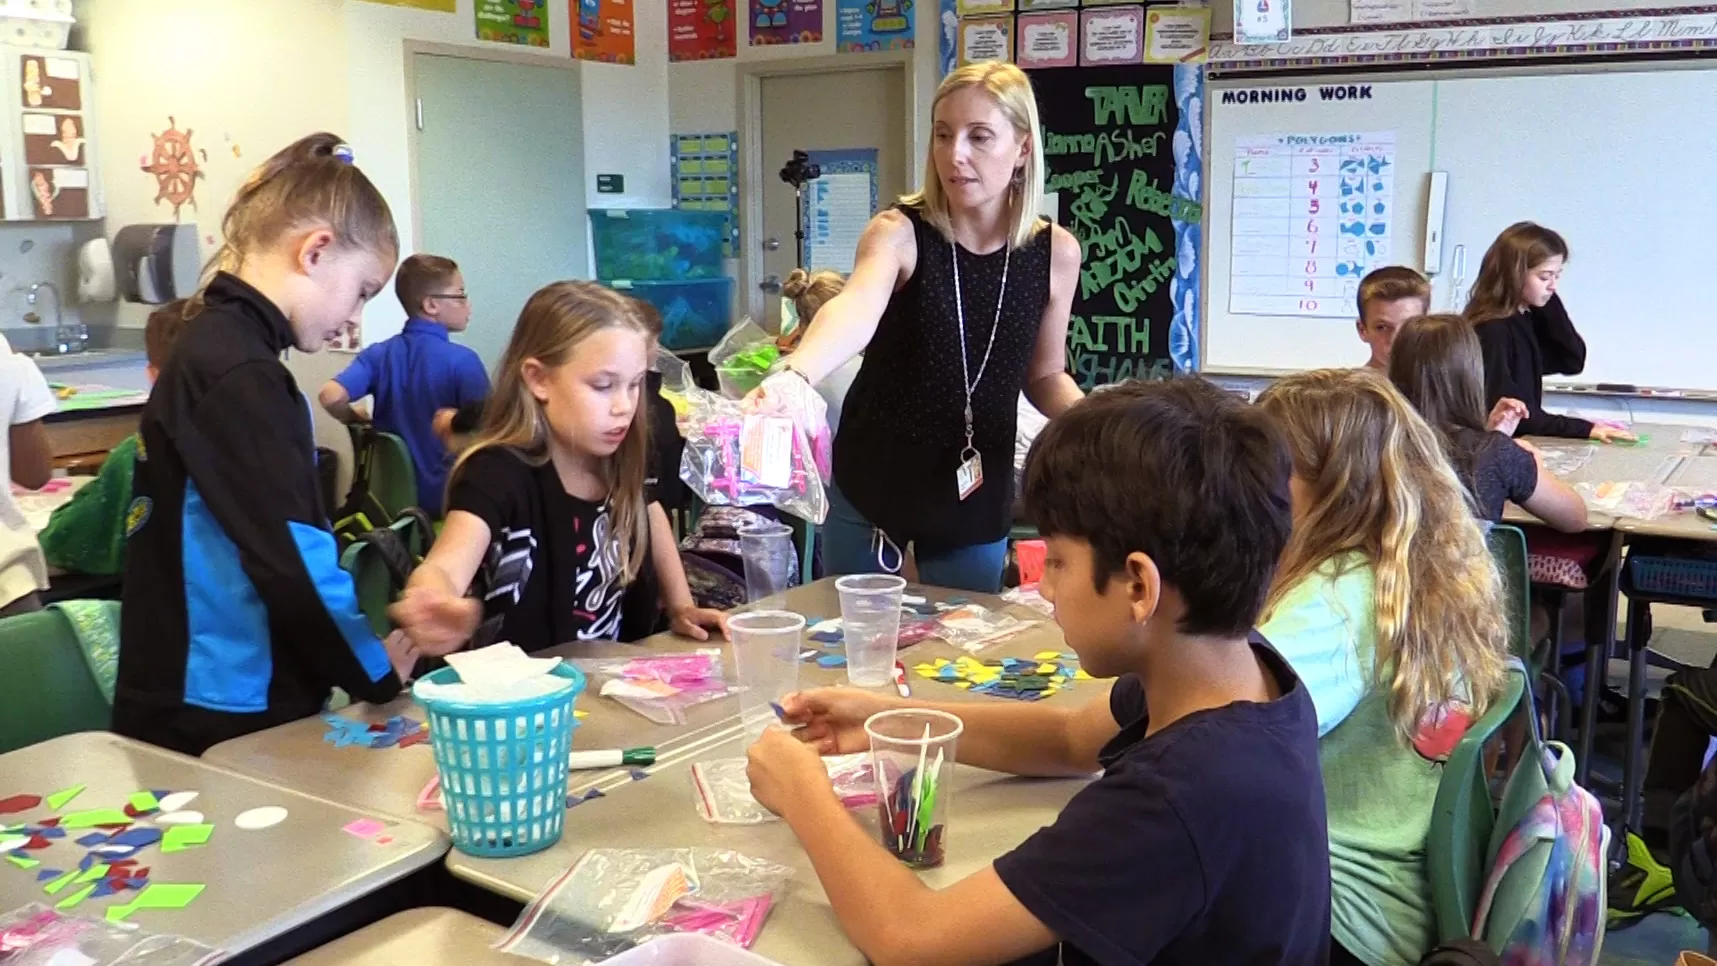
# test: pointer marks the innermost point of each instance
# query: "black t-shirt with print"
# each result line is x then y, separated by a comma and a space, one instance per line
552, 571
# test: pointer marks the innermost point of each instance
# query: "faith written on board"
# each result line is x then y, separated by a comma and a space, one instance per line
1109, 153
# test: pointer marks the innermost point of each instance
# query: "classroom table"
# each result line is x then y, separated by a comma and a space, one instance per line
419, 937
991, 814
389, 780
259, 884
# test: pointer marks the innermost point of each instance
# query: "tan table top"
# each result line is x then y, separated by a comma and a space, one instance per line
1657, 461
991, 812
418, 937
260, 884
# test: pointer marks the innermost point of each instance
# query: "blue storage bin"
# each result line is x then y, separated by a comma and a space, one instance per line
657, 243
695, 314
503, 766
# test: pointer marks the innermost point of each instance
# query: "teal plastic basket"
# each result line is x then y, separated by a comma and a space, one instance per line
503, 766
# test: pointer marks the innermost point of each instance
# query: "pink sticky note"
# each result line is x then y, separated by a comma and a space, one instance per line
365, 828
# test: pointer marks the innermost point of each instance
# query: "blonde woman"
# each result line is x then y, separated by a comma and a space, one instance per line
548, 518
1388, 607
959, 300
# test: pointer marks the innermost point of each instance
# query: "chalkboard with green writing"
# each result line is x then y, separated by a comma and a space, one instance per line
1121, 148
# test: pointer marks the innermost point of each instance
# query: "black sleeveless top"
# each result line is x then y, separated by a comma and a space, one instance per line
903, 423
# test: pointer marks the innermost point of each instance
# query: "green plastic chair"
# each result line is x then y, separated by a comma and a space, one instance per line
47, 690
392, 477
1463, 817
1508, 548
373, 580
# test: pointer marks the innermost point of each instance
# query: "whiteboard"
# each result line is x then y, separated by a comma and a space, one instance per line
1623, 163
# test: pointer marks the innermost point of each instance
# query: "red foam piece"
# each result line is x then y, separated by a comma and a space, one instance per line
117, 826
19, 803
378, 728
142, 873
415, 738
50, 821
36, 842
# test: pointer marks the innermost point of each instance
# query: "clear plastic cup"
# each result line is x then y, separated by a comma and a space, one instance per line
768, 551
912, 752
870, 626
766, 647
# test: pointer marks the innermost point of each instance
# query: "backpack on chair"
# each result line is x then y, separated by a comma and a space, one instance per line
381, 561
1543, 899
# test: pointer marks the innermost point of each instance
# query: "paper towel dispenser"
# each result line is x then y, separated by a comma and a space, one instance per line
156, 264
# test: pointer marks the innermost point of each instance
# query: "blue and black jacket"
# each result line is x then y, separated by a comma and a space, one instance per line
237, 616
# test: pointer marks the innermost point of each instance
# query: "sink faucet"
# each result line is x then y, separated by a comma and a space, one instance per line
67, 339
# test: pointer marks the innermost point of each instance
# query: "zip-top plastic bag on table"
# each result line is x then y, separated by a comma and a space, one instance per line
36, 935
777, 452
612, 900
722, 792
660, 686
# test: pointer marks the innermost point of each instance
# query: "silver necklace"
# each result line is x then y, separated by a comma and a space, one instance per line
971, 385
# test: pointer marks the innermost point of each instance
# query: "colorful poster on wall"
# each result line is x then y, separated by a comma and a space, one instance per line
990, 38
983, 8
1048, 39
1312, 214
1177, 35
439, 6
1028, 5
522, 22
706, 178
1263, 21
948, 39
786, 22
871, 25
837, 207
1136, 213
602, 31
1112, 36
702, 30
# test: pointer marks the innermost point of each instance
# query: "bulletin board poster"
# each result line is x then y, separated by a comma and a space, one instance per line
1263, 21
986, 38
1114, 35
706, 178
1027, 6
702, 30
602, 31
439, 6
948, 39
1123, 147
522, 22
983, 8
1312, 215
786, 22
1048, 39
837, 207
863, 26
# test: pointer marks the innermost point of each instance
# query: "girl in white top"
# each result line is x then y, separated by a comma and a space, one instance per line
24, 399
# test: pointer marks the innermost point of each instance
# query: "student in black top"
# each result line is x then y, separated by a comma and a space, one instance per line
959, 300
1165, 507
1524, 331
1436, 365
237, 615
549, 524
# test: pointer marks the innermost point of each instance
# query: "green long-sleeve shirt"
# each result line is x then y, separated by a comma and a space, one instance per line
87, 535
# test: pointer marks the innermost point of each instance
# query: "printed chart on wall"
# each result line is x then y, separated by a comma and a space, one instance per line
1312, 215
523, 22
1123, 146
603, 31
705, 169
702, 30
870, 25
56, 148
837, 207
786, 22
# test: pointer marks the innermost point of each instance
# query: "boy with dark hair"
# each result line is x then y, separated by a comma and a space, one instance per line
1165, 507
87, 534
417, 373
1388, 299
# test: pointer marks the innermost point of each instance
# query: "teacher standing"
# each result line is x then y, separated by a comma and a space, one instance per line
959, 299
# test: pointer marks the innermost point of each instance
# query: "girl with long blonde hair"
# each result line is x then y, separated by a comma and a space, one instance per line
959, 299
549, 522
1388, 606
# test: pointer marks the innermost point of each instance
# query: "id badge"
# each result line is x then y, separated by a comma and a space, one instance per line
970, 475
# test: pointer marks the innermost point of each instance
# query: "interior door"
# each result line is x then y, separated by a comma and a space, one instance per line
500, 183
797, 116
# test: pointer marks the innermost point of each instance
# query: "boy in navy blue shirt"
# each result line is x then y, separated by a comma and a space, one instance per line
1203, 840
418, 372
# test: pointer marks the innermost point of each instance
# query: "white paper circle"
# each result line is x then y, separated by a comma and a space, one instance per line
177, 801
180, 818
256, 819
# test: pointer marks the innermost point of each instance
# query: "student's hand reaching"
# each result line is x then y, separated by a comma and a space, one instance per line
784, 772
1506, 415
437, 622
1611, 434
831, 720
690, 620
402, 654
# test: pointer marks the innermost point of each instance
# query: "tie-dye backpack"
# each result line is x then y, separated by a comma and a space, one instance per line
1543, 901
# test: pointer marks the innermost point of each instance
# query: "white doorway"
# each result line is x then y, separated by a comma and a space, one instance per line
813, 105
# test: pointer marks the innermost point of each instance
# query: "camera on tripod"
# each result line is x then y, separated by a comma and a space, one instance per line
800, 170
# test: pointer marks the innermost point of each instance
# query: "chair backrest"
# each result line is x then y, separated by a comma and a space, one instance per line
1463, 816
47, 690
393, 478
377, 580
1508, 548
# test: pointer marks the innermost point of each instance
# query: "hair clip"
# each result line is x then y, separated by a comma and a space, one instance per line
343, 152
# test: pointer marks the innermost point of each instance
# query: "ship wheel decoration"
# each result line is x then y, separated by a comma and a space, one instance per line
174, 165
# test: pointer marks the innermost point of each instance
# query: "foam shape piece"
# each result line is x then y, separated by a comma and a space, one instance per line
137, 838
48, 874
180, 818
181, 837
10, 843
64, 796
257, 819
71, 901
95, 817
175, 801
19, 803
157, 895
22, 862
364, 828
144, 801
